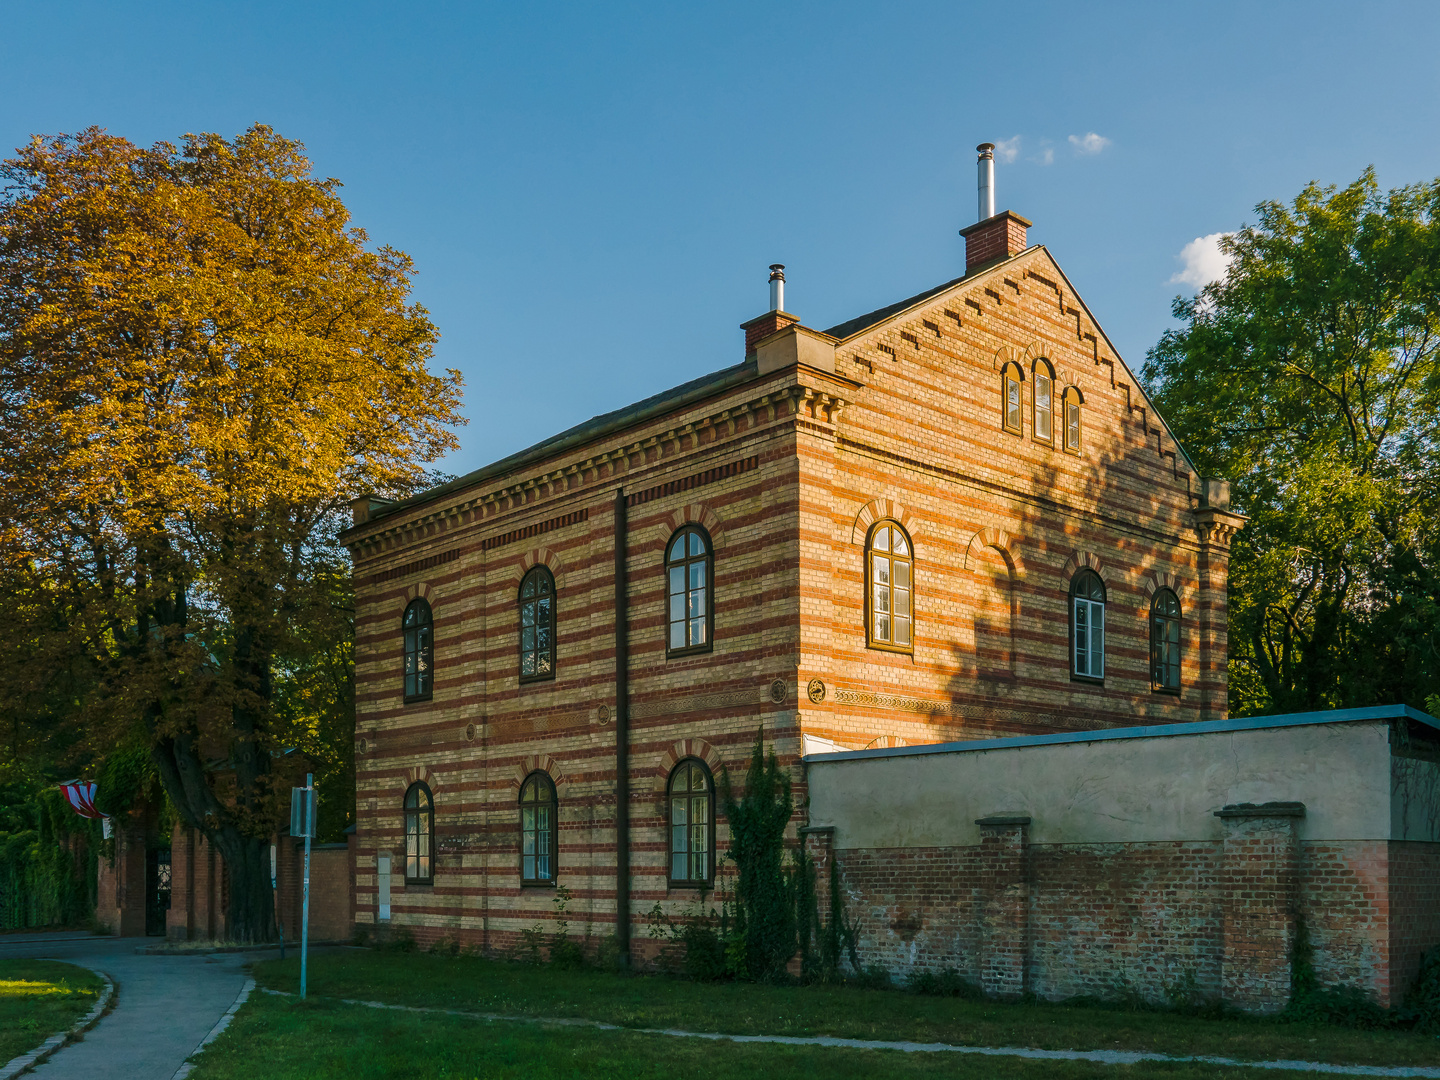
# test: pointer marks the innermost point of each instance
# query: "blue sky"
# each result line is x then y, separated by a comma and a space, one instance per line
592, 192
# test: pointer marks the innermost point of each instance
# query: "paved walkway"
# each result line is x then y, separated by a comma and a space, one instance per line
1105, 1057
165, 1005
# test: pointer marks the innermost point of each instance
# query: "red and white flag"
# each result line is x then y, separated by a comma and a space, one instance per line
81, 797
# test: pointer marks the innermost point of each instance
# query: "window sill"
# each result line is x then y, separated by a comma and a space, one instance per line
530, 680
701, 887
694, 650
1165, 691
1088, 680
536, 884
423, 884
418, 698
901, 650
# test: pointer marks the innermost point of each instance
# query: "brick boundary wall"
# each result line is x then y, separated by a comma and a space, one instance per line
1113, 920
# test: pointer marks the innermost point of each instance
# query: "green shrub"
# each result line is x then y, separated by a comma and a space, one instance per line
945, 983
1422, 1004
872, 977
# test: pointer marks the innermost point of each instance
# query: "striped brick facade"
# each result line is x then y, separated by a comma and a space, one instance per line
786, 465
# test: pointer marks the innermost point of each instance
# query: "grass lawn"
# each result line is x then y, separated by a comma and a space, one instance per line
733, 1008
284, 1039
39, 998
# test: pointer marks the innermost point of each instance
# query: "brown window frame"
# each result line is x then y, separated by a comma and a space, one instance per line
423, 651
1081, 575
537, 573
708, 880
1041, 369
1071, 395
871, 641
428, 878
1012, 372
707, 557
551, 832
1175, 664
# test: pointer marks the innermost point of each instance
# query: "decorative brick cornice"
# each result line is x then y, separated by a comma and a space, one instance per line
814, 405
1217, 527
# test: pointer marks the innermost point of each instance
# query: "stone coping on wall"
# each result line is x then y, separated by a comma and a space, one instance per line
1153, 731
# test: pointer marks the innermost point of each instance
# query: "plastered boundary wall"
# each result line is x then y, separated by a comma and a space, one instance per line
1107, 865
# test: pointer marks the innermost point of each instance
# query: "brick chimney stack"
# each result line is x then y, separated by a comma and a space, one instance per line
994, 236
774, 320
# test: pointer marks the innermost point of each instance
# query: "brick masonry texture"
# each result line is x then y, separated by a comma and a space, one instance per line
905, 428
1111, 920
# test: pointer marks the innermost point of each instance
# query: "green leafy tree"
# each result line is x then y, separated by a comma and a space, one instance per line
201, 361
1308, 376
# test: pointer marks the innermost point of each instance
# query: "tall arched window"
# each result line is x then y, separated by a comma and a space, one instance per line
890, 591
538, 830
1165, 642
1012, 403
419, 835
1087, 626
1072, 402
688, 566
1042, 394
692, 824
419, 651
537, 625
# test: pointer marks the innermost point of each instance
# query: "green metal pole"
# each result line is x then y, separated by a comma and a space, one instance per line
305, 904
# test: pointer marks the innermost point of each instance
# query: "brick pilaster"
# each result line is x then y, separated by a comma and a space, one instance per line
820, 846
1004, 903
1259, 896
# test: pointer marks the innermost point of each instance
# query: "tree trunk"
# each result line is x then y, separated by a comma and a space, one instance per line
250, 919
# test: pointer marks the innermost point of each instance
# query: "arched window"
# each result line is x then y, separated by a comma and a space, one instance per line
1041, 394
692, 824
688, 567
1165, 642
1072, 402
419, 651
1012, 406
1087, 626
538, 830
419, 835
889, 612
537, 625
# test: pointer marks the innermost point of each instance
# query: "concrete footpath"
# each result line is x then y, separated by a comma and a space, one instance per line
165, 1005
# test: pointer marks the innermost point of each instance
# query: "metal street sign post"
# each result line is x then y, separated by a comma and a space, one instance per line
302, 823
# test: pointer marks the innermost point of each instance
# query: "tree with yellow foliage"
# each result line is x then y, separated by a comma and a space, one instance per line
201, 361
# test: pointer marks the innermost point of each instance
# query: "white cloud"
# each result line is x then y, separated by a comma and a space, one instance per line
1204, 261
1046, 157
1089, 144
1007, 150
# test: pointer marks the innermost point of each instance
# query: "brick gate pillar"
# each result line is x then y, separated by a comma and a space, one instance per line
1004, 899
1259, 897
129, 836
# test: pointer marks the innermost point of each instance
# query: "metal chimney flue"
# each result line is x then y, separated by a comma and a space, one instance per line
777, 286
986, 180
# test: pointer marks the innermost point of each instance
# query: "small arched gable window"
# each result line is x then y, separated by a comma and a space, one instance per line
1042, 396
419, 835
1165, 642
419, 651
692, 824
1072, 401
1012, 399
688, 566
1087, 626
538, 830
537, 625
890, 589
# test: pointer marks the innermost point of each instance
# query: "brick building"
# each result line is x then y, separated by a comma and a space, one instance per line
953, 518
